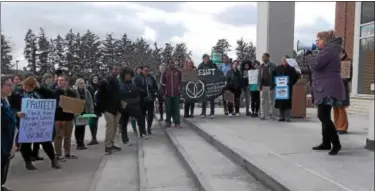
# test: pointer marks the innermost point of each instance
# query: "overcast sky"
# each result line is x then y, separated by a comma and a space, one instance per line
198, 24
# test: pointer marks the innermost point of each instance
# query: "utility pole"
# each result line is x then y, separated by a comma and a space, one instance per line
17, 66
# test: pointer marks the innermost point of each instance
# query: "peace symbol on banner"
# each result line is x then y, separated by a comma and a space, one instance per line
195, 89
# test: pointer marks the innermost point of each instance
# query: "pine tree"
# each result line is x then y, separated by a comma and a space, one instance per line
110, 52
245, 51
59, 49
252, 52
43, 50
69, 50
6, 56
92, 52
181, 54
52, 57
222, 46
142, 52
30, 50
126, 50
79, 57
167, 52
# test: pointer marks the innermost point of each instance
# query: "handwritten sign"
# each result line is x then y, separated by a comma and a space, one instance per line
291, 62
253, 76
189, 75
345, 69
209, 85
38, 123
281, 81
282, 88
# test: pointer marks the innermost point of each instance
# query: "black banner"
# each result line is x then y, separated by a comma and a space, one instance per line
208, 86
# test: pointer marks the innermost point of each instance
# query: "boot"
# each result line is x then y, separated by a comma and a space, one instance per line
93, 142
336, 148
55, 164
29, 166
322, 146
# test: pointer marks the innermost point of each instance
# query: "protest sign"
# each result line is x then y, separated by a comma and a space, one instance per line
253, 76
189, 75
208, 86
282, 88
228, 96
71, 105
38, 123
345, 69
291, 62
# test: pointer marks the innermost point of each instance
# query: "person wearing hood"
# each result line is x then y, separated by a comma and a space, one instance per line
234, 85
225, 67
130, 96
245, 67
340, 116
84, 94
108, 101
327, 86
285, 105
207, 64
148, 86
93, 87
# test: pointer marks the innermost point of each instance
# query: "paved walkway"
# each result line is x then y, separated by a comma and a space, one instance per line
284, 150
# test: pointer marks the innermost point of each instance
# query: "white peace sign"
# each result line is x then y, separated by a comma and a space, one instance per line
194, 91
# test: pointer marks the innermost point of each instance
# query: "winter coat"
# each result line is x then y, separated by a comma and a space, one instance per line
171, 82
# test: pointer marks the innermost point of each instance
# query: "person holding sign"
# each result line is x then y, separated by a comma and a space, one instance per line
93, 87
225, 67
189, 105
327, 87
31, 90
64, 120
284, 104
254, 88
234, 85
8, 128
340, 116
83, 94
245, 68
207, 64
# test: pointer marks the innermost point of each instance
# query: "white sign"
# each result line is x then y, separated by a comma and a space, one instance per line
291, 62
253, 76
281, 81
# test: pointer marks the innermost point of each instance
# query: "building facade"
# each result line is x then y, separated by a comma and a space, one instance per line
355, 22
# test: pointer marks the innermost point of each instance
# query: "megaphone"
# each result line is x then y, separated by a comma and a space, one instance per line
301, 46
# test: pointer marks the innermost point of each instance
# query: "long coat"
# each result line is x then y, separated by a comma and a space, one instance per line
293, 77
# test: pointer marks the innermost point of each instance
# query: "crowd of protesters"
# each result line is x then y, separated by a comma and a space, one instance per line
128, 94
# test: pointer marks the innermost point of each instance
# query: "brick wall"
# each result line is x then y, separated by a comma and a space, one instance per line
344, 24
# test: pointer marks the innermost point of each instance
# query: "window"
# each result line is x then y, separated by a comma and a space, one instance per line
367, 13
367, 30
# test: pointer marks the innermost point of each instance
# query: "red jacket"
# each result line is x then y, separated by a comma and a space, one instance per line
171, 81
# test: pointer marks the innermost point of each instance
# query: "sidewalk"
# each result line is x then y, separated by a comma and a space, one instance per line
75, 175
284, 150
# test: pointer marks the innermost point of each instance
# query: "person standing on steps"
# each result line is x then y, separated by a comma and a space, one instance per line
84, 94
207, 64
245, 67
234, 83
225, 67
188, 105
133, 121
265, 81
254, 93
285, 106
93, 87
130, 104
171, 85
148, 88
328, 87
161, 100
109, 103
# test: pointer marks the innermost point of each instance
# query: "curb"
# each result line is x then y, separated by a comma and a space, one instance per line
141, 165
98, 173
262, 176
188, 163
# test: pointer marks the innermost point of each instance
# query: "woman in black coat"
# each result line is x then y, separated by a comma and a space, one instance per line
234, 84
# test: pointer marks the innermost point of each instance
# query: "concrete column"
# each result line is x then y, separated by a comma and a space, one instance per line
357, 26
275, 29
370, 143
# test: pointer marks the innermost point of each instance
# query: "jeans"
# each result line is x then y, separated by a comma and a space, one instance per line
132, 111
172, 107
329, 132
147, 109
212, 107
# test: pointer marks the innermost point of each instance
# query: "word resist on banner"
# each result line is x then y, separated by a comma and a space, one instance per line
208, 86
253, 76
282, 88
38, 123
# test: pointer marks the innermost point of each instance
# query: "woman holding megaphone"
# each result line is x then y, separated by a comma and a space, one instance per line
327, 86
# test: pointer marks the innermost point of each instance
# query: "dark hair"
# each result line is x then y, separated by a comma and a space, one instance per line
126, 70
16, 75
224, 55
46, 76
146, 66
246, 62
65, 76
205, 56
266, 54
4, 79
345, 54
59, 72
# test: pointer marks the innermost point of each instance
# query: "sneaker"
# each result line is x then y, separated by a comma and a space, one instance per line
203, 116
262, 118
108, 151
149, 132
249, 114
178, 126
237, 114
115, 148
212, 116
230, 115
128, 143
70, 156
93, 142
322, 147
60, 158
81, 147
281, 120
55, 164
30, 166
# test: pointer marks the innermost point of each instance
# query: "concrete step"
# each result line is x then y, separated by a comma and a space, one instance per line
270, 168
213, 170
159, 166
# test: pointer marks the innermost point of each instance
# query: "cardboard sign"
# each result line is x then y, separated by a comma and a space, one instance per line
228, 96
189, 75
71, 105
253, 76
345, 69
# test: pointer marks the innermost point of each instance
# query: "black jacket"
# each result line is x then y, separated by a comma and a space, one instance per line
92, 89
234, 79
129, 92
207, 66
108, 96
148, 87
60, 115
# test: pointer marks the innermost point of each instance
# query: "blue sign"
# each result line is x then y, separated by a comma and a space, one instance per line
37, 125
282, 88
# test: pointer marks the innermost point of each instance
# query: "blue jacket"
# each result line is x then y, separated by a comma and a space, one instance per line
8, 127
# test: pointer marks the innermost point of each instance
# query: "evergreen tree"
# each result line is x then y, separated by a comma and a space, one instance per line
59, 50
43, 50
92, 52
126, 50
79, 57
181, 54
6, 55
70, 50
52, 57
31, 47
142, 52
110, 52
222, 46
167, 52
245, 51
